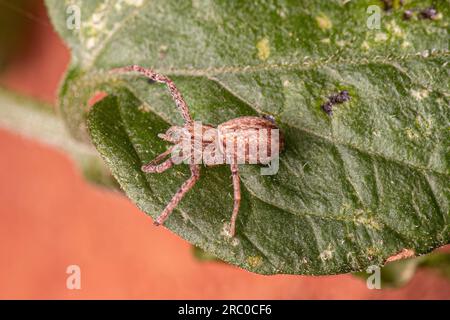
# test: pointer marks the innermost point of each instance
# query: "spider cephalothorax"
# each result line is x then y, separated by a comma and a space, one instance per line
241, 140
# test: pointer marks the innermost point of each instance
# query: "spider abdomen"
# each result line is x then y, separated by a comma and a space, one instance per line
251, 140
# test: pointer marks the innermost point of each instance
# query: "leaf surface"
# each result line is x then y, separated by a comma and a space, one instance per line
353, 188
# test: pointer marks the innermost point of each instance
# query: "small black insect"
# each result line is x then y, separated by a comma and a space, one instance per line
328, 108
408, 14
428, 13
337, 98
341, 97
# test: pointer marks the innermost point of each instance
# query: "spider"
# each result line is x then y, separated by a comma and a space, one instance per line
238, 132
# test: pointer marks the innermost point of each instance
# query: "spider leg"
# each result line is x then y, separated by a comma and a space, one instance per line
153, 167
187, 185
159, 168
152, 75
237, 197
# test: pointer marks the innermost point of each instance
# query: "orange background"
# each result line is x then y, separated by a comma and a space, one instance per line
51, 218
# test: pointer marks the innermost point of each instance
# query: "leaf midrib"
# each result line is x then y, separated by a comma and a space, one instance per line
307, 64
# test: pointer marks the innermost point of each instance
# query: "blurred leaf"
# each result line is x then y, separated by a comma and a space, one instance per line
38, 121
398, 273
439, 262
203, 256
13, 25
394, 274
352, 189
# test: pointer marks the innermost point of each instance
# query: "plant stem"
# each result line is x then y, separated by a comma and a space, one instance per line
39, 121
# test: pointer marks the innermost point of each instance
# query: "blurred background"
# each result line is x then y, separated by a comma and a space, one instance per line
50, 217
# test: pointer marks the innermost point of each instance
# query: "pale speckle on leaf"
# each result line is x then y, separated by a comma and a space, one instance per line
424, 125
144, 108
411, 134
162, 51
324, 22
326, 254
184, 215
372, 252
425, 54
395, 29
136, 3
225, 230
419, 94
380, 37
405, 44
439, 16
254, 261
365, 45
341, 43
263, 49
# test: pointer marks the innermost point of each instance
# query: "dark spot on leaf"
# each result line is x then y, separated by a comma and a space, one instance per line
387, 4
408, 14
338, 98
328, 108
428, 13
341, 97
150, 81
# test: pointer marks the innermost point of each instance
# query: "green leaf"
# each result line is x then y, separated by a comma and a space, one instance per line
439, 262
13, 27
398, 273
203, 256
353, 188
394, 274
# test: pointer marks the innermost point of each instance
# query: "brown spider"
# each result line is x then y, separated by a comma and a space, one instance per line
234, 142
